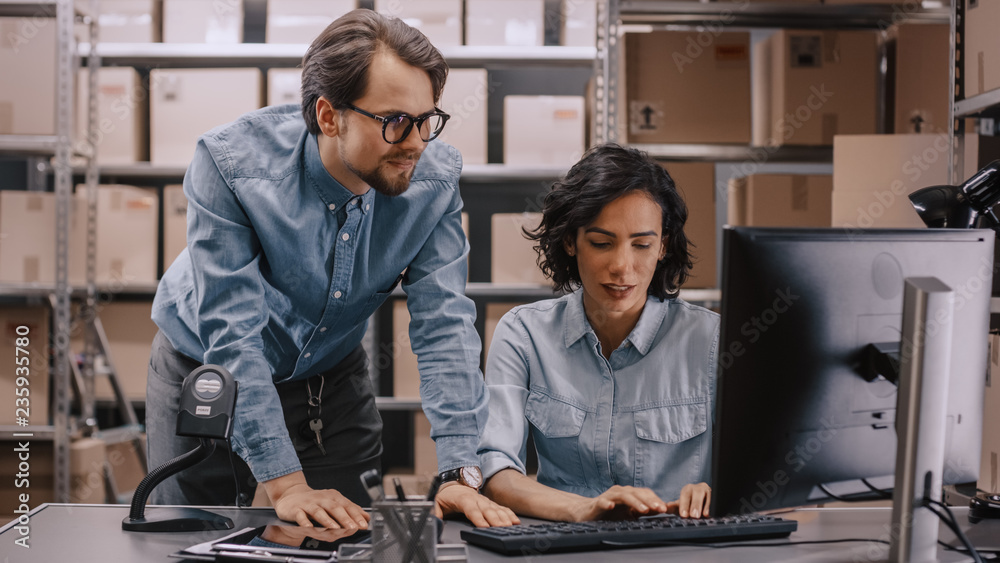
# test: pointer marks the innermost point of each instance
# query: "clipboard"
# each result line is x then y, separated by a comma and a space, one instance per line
315, 545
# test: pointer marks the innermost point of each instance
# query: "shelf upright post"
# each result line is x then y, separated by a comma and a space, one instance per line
65, 57
606, 111
88, 403
956, 132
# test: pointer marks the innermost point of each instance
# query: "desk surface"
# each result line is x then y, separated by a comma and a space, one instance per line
92, 534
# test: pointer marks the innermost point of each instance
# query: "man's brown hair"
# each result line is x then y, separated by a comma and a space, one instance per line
336, 64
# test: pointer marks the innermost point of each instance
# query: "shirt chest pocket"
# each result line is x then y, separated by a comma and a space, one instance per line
556, 429
672, 445
375, 301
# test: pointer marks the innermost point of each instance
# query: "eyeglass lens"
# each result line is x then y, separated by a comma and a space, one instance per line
399, 126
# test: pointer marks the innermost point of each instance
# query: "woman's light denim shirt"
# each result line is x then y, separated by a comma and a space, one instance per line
641, 418
284, 266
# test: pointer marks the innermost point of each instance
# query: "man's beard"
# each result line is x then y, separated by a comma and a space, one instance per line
380, 180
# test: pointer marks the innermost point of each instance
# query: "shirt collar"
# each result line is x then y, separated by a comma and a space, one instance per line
330, 191
642, 336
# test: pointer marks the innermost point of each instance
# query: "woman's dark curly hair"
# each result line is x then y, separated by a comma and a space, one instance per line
604, 174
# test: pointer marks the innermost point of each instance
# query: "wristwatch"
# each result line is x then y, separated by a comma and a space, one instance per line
469, 476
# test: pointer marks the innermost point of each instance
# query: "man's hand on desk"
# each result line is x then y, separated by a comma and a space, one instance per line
454, 498
296, 501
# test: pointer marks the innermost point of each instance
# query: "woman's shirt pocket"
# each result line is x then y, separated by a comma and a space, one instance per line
672, 446
556, 428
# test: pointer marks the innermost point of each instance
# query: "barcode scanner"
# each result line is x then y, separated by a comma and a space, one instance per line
207, 403
206, 407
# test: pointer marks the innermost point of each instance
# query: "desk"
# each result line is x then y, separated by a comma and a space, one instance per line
92, 533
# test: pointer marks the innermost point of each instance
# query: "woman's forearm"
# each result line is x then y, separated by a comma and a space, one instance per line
527, 497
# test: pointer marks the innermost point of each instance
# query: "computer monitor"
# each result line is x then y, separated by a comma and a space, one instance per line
799, 306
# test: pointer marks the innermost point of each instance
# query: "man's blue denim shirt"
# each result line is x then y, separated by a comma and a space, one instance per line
641, 418
284, 266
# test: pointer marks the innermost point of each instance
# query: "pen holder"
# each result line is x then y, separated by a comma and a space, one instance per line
403, 532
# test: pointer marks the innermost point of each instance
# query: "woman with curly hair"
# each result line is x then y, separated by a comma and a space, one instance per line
615, 380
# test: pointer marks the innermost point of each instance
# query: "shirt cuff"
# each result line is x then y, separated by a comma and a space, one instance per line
494, 462
456, 451
271, 459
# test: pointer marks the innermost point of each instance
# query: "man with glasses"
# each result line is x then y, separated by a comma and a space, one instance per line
301, 222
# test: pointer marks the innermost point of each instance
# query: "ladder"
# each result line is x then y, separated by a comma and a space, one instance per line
98, 361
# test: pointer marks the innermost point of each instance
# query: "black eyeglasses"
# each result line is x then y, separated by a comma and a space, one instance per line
396, 127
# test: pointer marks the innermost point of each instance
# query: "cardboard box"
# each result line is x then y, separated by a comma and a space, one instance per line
186, 103
27, 237
127, 231
87, 456
36, 320
126, 463
494, 312
981, 62
130, 333
922, 92
198, 21
873, 174
695, 182
405, 374
121, 136
822, 83
424, 452
28, 87
512, 257
174, 223
543, 130
284, 86
301, 21
678, 90
40, 487
465, 99
989, 469
439, 20
579, 23
518, 23
780, 200
127, 21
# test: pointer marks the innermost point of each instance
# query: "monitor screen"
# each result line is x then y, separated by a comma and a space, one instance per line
793, 410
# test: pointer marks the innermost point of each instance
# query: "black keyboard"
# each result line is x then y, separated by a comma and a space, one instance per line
552, 537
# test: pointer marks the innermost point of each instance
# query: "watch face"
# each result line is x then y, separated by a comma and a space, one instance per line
472, 477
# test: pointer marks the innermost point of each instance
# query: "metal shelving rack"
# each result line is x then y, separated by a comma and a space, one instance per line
986, 104
472, 173
618, 13
59, 145
181, 55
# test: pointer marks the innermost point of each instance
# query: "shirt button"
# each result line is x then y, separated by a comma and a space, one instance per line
337, 294
332, 206
345, 236
367, 206
308, 354
322, 329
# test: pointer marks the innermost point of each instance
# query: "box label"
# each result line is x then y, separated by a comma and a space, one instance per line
644, 117
731, 53
6, 118
806, 51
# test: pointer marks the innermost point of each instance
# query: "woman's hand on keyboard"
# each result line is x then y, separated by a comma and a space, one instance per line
694, 502
618, 503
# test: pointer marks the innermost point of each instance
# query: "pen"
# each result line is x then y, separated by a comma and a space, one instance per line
264, 556
400, 493
372, 481
433, 490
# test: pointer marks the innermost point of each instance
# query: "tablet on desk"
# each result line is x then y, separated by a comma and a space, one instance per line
297, 544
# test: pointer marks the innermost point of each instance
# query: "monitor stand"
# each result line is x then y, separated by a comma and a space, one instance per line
921, 417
